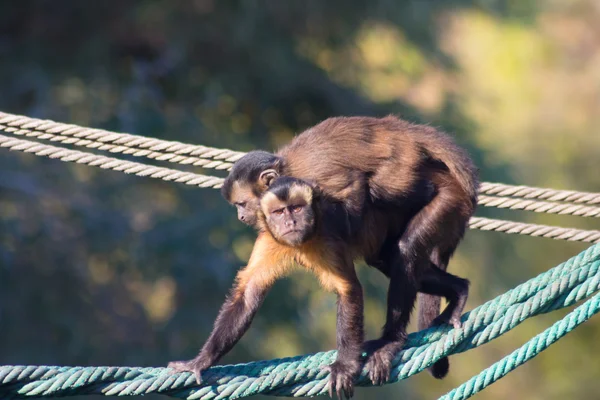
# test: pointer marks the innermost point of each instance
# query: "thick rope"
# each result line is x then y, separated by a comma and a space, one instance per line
560, 287
189, 178
128, 167
520, 228
526, 352
539, 206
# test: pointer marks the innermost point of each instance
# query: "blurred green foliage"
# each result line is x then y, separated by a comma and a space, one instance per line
101, 268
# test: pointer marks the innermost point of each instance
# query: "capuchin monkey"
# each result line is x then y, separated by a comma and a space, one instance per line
406, 191
298, 224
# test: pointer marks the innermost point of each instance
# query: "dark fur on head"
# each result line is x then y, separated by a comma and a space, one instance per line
248, 169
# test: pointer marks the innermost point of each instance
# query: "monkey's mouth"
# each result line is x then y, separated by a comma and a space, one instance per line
290, 232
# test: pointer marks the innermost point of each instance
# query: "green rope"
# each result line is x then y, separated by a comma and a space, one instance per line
560, 287
526, 352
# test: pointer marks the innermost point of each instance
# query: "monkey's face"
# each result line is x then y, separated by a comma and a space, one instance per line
290, 218
246, 202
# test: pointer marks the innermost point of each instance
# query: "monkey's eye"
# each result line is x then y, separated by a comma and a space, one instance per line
279, 211
241, 204
296, 209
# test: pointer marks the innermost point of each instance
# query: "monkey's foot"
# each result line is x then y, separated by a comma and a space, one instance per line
341, 378
194, 366
381, 354
440, 369
453, 320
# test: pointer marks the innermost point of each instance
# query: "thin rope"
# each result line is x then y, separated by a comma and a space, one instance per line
487, 201
528, 192
552, 232
115, 148
176, 152
563, 286
33, 126
128, 167
539, 206
207, 181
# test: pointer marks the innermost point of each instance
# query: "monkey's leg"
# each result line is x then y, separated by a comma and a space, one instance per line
429, 305
350, 336
236, 314
435, 232
453, 288
429, 309
402, 294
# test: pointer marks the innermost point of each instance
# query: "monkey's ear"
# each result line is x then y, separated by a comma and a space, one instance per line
267, 176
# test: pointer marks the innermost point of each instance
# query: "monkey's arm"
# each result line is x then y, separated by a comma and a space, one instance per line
350, 332
236, 314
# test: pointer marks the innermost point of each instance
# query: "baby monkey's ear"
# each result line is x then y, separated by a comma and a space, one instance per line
266, 177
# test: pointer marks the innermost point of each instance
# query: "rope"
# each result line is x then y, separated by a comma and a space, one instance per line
303, 376
526, 352
196, 155
113, 148
189, 178
520, 228
539, 206
560, 287
527, 192
128, 167
22, 125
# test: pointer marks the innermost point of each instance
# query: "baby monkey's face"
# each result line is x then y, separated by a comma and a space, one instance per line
246, 202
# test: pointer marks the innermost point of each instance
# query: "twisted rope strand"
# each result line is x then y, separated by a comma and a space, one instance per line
526, 352
559, 287
35, 127
520, 228
539, 206
527, 192
128, 167
114, 148
189, 178
174, 151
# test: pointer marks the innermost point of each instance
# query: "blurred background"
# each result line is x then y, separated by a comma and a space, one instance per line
101, 268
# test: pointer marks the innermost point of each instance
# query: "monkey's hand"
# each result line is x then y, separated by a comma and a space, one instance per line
195, 366
341, 377
381, 355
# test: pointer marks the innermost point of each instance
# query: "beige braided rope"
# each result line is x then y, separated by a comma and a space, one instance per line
114, 148
182, 153
128, 167
539, 206
122, 142
527, 192
189, 178
553, 232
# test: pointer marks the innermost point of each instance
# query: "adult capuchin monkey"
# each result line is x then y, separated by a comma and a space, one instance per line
299, 225
407, 191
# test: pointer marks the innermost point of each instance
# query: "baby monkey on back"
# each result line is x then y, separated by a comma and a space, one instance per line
398, 195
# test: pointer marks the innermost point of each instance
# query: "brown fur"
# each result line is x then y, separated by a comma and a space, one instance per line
408, 191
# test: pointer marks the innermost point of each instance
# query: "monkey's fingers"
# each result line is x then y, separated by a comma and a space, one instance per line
447, 320
187, 366
456, 323
379, 368
341, 380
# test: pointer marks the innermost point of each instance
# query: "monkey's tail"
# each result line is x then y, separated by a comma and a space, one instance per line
441, 147
429, 309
